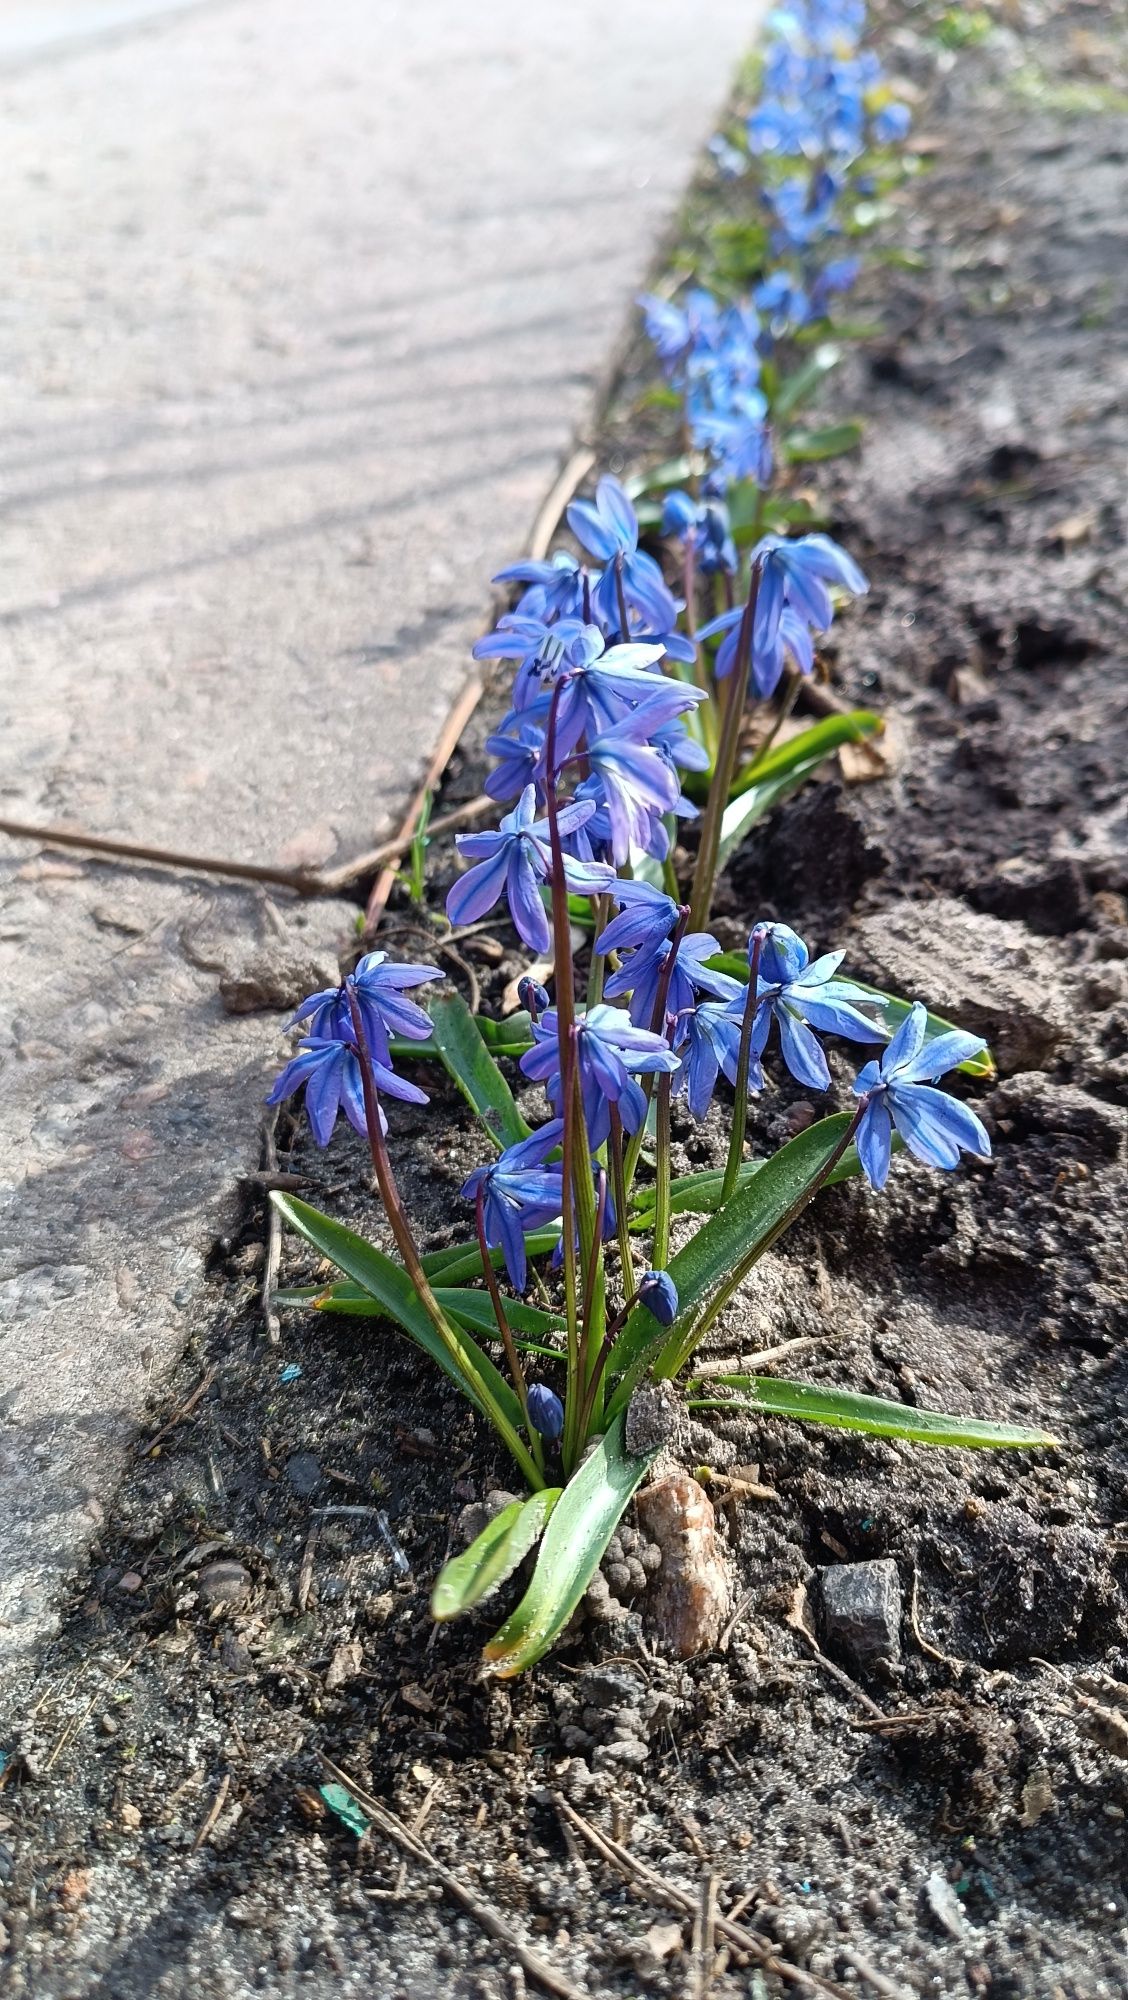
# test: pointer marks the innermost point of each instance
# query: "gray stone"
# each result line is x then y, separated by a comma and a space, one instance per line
303, 1473
326, 300
223, 1583
860, 1605
984, 974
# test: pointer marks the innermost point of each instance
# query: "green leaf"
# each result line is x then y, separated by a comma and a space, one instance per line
508, 1037
583, 1522
674, 472
472, 1309
894, 1009
700, 1194
815, 743
388, 1283
874, 1415
492, 1556
799, 387
766, 784
345, 1806
804, 447
464, 1260
470, 1064
719, 1256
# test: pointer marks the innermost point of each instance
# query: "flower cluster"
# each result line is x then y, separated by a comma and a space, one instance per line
327, 1067
824, 106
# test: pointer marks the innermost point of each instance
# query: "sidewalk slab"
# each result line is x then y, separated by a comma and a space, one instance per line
303, 309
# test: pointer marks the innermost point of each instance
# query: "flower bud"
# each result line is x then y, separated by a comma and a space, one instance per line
659, 1294
533, 998
546, 1411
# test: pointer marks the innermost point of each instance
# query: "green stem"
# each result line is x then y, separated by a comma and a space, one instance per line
743, 1062
673, 1359
662, 1189
706, 869
412, 1263
511, 1354
619, 1191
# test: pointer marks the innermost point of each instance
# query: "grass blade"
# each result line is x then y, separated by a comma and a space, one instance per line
468, 1579
873, 1415
388, 1283
470, 1064
583, 1521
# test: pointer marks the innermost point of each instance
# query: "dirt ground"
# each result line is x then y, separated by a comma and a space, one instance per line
950, 1818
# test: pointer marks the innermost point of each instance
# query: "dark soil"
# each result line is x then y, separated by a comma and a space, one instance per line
971, 1837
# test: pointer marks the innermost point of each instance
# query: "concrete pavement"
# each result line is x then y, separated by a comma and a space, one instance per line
302, 308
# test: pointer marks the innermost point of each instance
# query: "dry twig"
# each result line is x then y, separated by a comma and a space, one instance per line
484, 1913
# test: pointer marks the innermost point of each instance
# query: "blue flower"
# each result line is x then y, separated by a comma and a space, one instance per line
554, 589
328, 1070
708, 523
379, 986
891, 123
799, 996
608, 527
797, 573
514, 861
601, 689
738, 438
641, 976
897, 1092
792, 642
546, 1411
518, 746
676, 329
610, 1053
646, 918
519, 1193
541, 650
709, 1046
639, 783
659, 1294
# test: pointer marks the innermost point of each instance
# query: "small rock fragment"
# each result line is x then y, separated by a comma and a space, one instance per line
688, 1599
945, 1906
303, 1473
223, 1583
861, 1610
275, 976
655, 1417
346, 1662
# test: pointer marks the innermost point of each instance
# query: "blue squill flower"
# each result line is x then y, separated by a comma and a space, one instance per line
553, 589
675, 329
608, 526
601, 689
799, 996
519, 1193
514, 861
708, 1042
328, 1070
379, 985
797, 573
659, 1294
518, 746
641, 976
541, 650
610, 1054
708, 523
738, 438
639, 783
646, 918
891, 123
792, 642
898, 1092
546, 1411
